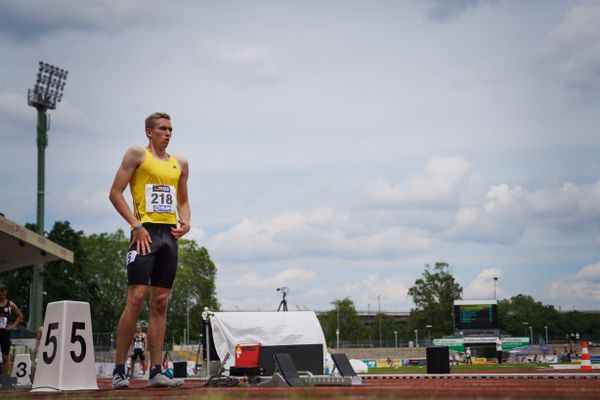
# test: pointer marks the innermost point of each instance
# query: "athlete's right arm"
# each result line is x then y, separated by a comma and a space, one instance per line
132, 159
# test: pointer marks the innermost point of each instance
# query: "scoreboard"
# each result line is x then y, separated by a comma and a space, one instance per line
475, 314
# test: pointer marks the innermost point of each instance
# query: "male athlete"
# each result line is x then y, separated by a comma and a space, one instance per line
7, 309
158, 184
138, 347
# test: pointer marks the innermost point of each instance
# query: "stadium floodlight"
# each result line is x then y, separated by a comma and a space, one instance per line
429, 333
495, 278
47, 91
48, 88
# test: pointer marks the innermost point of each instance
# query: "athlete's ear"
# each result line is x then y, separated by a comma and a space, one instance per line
148, 133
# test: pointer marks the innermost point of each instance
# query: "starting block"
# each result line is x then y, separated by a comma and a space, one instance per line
286, 374
66, 359
342, 364
22, 369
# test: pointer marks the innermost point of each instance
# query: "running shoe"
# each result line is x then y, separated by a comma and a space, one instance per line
162, 380
120, 381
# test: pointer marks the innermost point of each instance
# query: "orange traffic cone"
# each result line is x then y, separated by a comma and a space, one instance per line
585, 357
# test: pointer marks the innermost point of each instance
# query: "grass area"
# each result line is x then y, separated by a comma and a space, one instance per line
460, 368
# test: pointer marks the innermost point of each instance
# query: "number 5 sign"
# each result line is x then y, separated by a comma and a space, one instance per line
66, 358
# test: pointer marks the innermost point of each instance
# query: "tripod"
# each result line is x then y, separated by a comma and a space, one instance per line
283, 302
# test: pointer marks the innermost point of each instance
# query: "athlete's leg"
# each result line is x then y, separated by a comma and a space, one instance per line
132, 368
159, 300
128, 320
5, 361
143, 363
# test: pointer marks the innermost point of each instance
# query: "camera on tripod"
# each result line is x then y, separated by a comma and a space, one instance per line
283, 303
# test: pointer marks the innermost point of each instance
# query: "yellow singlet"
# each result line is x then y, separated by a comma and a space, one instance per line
154, 190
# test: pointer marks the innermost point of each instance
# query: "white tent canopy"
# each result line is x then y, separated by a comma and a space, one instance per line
267, 328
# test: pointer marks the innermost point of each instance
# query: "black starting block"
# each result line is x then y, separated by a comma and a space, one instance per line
342, 364
286, 374
7, 382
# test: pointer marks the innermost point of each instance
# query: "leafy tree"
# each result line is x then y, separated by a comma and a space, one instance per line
387, 330
514, 312
62, 280
351, 328
520, 312
194, 289
433, 296
105, 272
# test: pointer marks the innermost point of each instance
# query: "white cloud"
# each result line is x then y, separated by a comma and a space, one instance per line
500, 218
393, 291
443, 10
417, 219
19, 117
244, 66
507, 213
252, 280
27, 20
482, 286
582, 287
445, 181
198, 234
80, 201
322, 232
573, 49
253, 290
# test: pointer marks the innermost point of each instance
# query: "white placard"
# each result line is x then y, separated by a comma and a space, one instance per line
66, 353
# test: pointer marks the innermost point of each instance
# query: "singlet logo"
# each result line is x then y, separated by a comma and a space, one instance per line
161, 188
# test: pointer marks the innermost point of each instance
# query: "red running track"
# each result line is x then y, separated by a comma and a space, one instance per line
541, 385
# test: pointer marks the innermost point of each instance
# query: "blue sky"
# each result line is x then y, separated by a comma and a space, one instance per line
335, 147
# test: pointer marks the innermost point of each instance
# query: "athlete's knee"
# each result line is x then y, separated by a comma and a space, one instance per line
159, 303
135, 299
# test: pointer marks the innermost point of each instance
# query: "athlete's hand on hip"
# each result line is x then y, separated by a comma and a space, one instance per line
142, 241
181, 230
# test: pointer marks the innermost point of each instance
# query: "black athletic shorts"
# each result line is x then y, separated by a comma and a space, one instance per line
5, 341
138, 353
157, 268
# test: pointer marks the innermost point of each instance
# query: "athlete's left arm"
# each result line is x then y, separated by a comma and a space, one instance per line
183, 204
18, 314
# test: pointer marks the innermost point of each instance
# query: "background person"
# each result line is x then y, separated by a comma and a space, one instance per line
468, 356
158, 184
8, 310
138, 347
499, 350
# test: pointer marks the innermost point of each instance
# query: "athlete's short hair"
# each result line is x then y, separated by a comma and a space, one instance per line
150, 119
3, 286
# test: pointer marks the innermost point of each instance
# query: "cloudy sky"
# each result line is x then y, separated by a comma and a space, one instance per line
335, 147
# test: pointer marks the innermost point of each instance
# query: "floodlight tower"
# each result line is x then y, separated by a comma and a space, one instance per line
47, 91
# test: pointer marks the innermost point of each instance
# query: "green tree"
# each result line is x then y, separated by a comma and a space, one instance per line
520, 312
194, 289
62, 280
105, 272
350, 326
387, 330
433, 296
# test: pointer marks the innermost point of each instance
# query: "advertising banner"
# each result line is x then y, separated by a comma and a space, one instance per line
454, 344
511, 343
